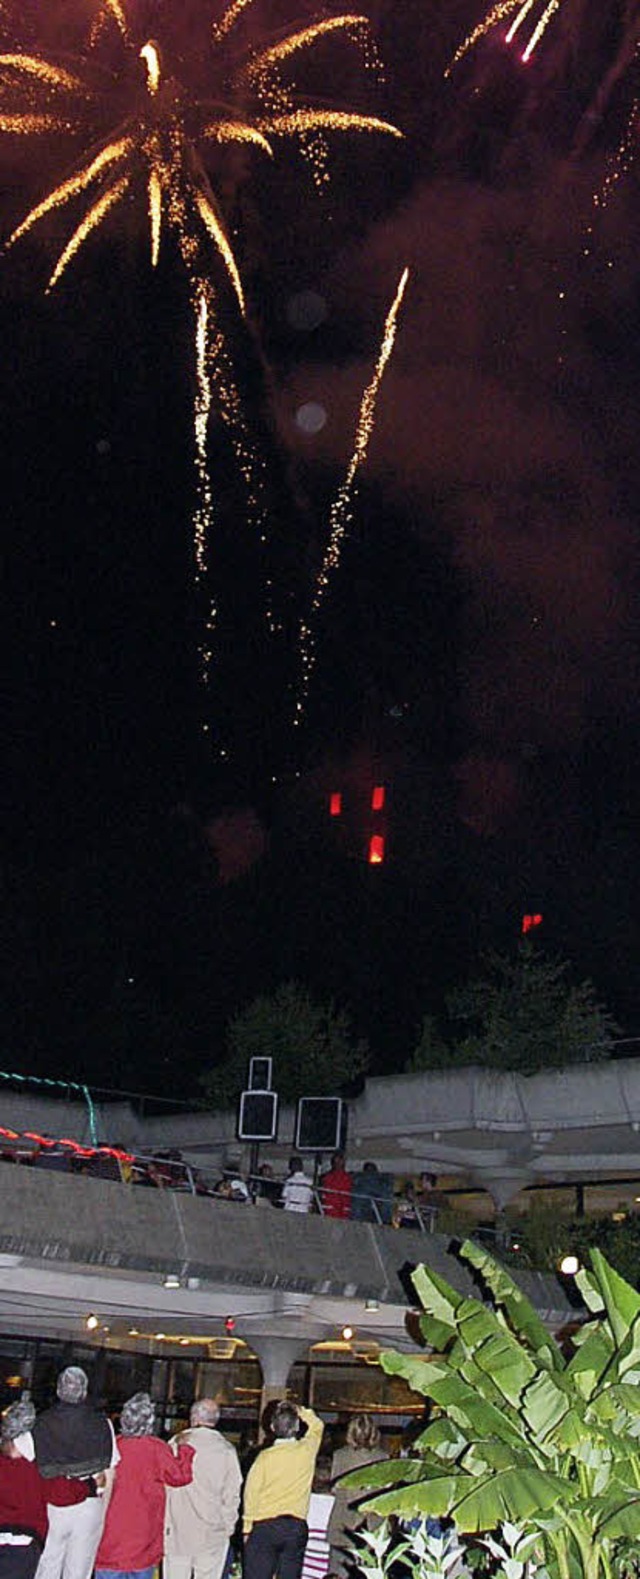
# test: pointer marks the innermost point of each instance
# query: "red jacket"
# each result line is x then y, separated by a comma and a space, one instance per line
133, 1535
335, 1193
23, 1497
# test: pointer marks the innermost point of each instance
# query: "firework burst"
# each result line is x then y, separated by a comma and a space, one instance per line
148, 136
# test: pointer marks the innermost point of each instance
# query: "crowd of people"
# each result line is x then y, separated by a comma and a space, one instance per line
364, 1195
76, 1500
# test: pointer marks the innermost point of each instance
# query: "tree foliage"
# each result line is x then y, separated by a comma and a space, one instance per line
525, 1434
311, 1045
519, 1014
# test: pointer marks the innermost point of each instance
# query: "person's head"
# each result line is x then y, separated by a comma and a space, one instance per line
205, 1411
285, 1421
337, 1160
137, 1416
370, 1167
15, 1420
265, 1170
428, 1181
362, 1431
295, 1163
72, 1385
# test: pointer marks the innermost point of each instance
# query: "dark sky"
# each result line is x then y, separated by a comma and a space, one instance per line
478, 645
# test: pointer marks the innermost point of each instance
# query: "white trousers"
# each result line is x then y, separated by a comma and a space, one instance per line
203, 1565
73, 1540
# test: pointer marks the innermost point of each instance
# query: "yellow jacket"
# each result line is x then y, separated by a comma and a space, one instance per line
280, 1478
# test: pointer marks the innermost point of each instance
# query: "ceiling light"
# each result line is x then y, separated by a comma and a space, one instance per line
91, 1323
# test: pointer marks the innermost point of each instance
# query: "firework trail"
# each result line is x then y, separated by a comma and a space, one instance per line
341, 509
145, 130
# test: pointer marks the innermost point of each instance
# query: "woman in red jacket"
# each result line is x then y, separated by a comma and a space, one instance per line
133, 1535
23, 1499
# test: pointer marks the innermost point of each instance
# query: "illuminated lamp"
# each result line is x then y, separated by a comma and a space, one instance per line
229, 1323
569, 1265
529, 922
91, 1323
335, 804
377, 797
347, 1334
376, 850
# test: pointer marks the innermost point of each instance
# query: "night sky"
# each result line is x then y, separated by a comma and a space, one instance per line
478, 645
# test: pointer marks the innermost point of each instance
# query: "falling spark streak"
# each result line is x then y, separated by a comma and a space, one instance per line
267, 58
236, 132
340, 510
203, 513
90, 222
498, 13
224, 26
155, 215
331, 120
212, 225
540, 28
53, 76
33, 125
114, 153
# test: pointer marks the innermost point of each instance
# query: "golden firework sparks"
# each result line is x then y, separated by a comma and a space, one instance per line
97, 213
158, 139
537, 14
341, 509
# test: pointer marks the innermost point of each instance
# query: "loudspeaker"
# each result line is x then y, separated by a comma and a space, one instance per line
258, 1115
260, 1074
321, 1124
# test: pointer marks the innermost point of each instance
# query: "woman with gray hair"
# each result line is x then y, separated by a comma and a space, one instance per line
23, 1501
362, 1447
133, 1536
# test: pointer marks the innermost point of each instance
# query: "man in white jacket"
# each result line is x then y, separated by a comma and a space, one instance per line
201, 1517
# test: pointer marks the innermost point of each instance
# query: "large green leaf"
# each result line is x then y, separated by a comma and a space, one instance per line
622, 1520
523, 1317
386, 1472
589, 1363
516, 1494
621, 1302
437, 1297
499, 1356
545, 1403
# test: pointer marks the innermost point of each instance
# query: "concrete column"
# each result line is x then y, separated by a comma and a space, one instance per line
276, 1354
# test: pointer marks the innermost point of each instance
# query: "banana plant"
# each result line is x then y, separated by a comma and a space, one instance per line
525, 1435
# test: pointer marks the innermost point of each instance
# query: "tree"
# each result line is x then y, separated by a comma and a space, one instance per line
310, 1043
528, 1437
520, 1014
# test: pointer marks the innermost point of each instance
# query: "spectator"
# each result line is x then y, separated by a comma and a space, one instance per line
267, 1189
371, 1196
276, 1495
201, 1517
133, 1537
317, 1551
23, 1501
297, 1190
362, 1447
405, 1212
335, 1188
75, 1451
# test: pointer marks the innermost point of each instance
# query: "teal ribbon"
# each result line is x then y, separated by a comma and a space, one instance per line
61, 1085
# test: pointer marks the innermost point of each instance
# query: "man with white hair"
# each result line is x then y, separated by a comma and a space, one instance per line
75, 1450
201, 1517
